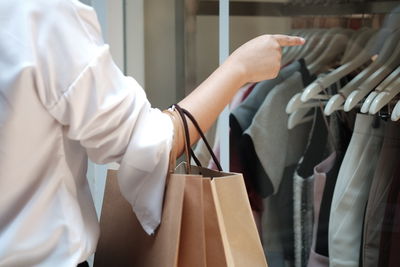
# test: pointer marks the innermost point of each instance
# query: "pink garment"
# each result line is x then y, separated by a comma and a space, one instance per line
320, 171
237, 99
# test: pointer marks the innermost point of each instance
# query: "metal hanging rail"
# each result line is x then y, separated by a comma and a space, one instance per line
290, 10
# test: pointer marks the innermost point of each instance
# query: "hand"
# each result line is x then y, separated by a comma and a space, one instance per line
260, 58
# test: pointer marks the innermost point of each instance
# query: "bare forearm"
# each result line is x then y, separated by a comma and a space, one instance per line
208, 100
257, 60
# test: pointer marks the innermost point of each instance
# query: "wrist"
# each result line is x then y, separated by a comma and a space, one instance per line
236, 70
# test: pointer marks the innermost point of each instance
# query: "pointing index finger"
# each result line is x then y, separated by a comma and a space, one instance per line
286, 40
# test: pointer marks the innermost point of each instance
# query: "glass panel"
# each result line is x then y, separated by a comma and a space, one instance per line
166, 40
317, 146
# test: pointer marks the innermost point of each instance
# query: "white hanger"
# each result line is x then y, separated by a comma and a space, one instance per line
311, 43
368, 101
291, 51
396, 112
352, 41
297, 118
384, 97
296, 103
311, 36
362, 37
327, 36
337, 100
321, 83
337, 45
372, 81
333, 49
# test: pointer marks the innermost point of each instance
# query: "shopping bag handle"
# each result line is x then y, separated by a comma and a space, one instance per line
182, 112
177, 122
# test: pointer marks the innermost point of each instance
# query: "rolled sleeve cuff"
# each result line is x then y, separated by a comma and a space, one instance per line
144, 167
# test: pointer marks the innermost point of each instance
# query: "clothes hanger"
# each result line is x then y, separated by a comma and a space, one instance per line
321, 83
372, 81
311, 37
381, 87
386, 34
321, 45
311, 42
336, 101
332, 51
387, 95
296, 102
396, 112
337, 46
362, 38
352, 42
299, 109
291, 51
298, 117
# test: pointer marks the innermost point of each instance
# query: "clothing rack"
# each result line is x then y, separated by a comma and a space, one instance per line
293, 8
210, 8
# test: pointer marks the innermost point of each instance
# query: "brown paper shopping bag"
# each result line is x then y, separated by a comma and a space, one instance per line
206, 221
179, 240
123, 242
235, 217
233, 234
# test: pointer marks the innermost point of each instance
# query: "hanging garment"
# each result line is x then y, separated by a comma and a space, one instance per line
303, 186
212, 135
389, 159
394, 255
62, 99
235, 164
322, 244
390, 225
341, 127
302, 218
239, 98
351, 191
267, 146
242, 116
320, 176
262, 134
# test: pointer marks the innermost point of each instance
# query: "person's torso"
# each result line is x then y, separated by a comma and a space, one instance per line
46, 211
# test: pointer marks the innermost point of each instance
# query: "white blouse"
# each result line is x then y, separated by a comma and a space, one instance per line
62, 99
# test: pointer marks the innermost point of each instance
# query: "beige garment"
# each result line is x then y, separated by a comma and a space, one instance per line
388, 161
351, 192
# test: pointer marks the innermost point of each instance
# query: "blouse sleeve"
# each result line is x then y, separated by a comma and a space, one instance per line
107, 112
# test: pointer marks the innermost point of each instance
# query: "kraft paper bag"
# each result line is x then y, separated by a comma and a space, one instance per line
242, 243
206, 221
180, 238
192, 249
232, 237
123, 242
214, 246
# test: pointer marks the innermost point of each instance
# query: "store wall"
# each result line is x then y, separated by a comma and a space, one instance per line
135, 40
160, 56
